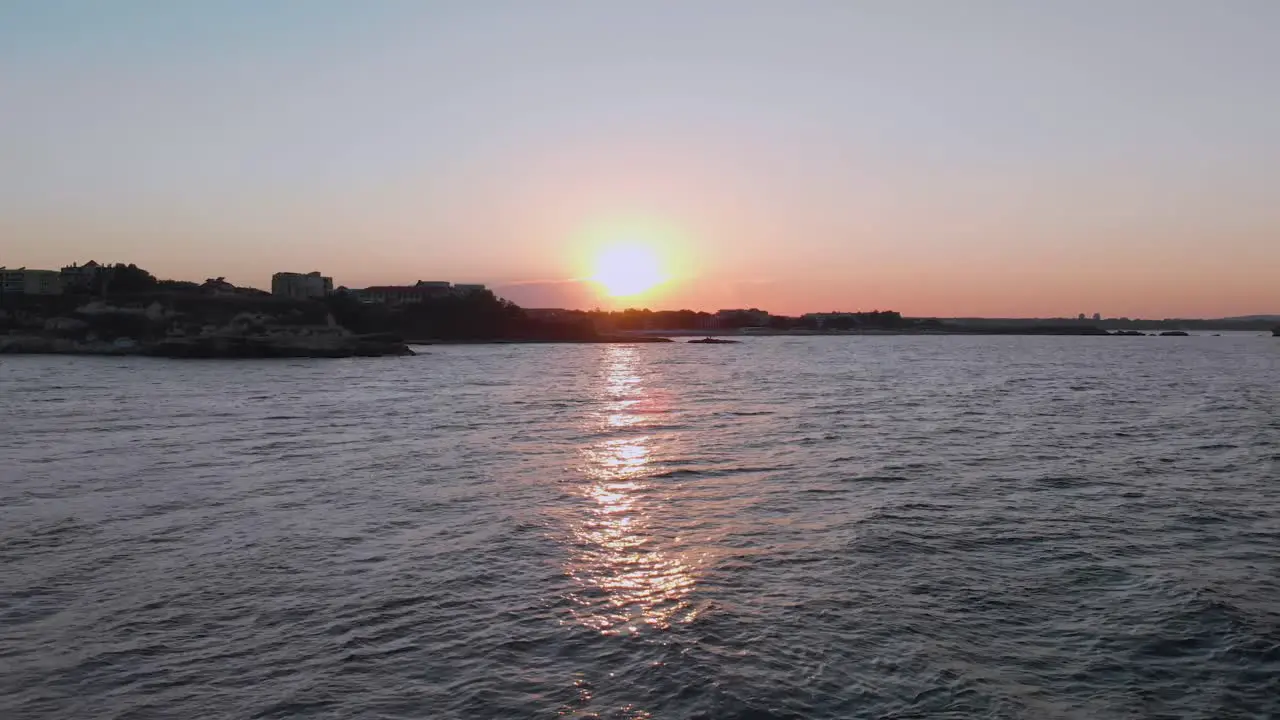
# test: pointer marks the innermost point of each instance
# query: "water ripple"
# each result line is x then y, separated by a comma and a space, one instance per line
800, 528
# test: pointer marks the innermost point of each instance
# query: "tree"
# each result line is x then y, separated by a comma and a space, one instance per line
130, 279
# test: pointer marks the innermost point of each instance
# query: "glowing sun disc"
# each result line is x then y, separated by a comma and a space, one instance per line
625, 270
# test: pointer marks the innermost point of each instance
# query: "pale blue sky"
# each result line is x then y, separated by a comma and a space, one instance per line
947, 156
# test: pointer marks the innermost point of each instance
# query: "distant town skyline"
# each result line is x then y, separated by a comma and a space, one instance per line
990, 158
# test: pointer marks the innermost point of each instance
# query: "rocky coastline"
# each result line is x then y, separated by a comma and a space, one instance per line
205, 347
208, 329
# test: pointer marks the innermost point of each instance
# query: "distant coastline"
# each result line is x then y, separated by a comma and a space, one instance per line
124, 310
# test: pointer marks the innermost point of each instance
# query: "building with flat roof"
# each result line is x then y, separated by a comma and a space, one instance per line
404, 294
301, 286
741, 318
418, 292
24, 281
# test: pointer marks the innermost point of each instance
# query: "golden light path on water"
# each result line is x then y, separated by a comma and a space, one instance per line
626, 581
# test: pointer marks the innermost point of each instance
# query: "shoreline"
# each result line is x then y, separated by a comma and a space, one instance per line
609, 340
35, 345
212, 347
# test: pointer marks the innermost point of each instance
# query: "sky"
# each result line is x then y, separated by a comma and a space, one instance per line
986, 157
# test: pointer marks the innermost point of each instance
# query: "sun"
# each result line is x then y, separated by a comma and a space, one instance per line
626, 270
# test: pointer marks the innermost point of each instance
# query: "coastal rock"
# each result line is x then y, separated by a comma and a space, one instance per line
65, 324
158, 312
1174, 333
185, 326
44, 345
25, 344
99, 307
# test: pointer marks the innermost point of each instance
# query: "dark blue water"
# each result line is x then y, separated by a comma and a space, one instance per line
892, 527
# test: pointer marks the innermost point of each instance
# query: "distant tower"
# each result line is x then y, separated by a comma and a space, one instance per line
1097, 317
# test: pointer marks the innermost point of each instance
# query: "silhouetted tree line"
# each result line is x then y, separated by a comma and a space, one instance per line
129, 280
874, 320
644, 319
475, 316
484, 316
122, 279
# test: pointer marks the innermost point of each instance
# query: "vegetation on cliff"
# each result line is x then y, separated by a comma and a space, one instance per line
474, 317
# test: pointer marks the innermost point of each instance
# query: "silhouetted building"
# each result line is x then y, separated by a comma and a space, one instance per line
301, 286
419, 292
1097, 317
22, 281
442, 285
831, 320
82, 278
741, 318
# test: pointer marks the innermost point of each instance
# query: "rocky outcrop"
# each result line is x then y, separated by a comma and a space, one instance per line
212, 346
1174, 333
45, 345
66, 325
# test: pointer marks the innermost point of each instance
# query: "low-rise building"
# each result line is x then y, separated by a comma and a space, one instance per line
82, 278
301, 286
25, 281
462, 289
741, 318
419, 292
831, 320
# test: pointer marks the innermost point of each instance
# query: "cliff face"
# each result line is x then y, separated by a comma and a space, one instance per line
183, 326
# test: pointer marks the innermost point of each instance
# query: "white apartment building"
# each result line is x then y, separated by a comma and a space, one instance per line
30, 282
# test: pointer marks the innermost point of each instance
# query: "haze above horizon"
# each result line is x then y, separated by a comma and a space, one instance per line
989, 158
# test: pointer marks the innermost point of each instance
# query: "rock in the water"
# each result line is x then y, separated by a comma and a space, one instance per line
1174, 333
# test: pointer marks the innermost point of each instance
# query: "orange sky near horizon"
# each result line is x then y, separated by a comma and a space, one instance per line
931, 158
952, 276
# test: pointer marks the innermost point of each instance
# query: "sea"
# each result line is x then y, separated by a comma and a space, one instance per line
817, 527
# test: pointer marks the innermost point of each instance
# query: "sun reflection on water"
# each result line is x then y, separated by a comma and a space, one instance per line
627, 582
